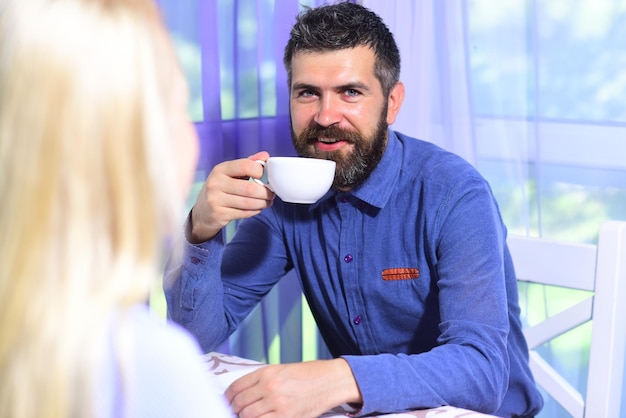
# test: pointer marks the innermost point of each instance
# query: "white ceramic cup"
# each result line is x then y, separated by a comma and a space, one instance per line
298, 179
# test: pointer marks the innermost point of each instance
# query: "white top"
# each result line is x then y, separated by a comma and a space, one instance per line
166, 375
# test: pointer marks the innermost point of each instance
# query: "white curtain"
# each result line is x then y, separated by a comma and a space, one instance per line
431, 39
531, 93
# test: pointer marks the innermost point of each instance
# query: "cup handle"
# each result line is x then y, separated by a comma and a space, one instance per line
263, 180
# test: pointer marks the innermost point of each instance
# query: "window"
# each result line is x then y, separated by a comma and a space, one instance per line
547, 88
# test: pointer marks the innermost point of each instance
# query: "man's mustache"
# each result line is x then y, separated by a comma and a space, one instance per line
313, 133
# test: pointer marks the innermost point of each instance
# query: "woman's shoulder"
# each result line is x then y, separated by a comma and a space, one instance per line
166, 373
155, 333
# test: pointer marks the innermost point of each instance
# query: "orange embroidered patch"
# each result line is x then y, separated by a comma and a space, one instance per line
406, 273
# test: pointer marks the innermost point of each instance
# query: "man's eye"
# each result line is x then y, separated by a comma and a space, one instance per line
306, 93
352, 93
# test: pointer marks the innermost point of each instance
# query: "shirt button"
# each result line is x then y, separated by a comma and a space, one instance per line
357, 320
195, 260
348, 258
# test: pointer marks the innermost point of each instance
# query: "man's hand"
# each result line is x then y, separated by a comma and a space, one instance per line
297, 390
227, 195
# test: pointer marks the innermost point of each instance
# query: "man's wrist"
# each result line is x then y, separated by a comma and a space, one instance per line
194, 234
350, 392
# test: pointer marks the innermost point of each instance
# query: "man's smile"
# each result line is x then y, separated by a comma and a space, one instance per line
329, 144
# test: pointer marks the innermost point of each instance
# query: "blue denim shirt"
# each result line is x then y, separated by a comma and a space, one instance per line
408, 277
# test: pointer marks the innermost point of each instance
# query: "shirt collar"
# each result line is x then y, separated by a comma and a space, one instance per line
378, 187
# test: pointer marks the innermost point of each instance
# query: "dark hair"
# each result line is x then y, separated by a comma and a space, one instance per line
341, 26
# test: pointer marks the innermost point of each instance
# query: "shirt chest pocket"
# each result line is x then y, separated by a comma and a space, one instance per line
403, 288
400, 273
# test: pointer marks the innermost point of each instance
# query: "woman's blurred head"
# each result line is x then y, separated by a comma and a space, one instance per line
95, 146
96, 158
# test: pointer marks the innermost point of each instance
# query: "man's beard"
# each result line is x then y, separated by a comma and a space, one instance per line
352, 168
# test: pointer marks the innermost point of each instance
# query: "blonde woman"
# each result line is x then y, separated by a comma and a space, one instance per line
92, 111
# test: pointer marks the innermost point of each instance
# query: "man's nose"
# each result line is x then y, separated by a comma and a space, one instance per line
329, 111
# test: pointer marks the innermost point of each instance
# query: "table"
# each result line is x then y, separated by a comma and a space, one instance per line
228, 368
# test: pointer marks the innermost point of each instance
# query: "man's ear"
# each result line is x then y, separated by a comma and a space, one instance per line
396, 97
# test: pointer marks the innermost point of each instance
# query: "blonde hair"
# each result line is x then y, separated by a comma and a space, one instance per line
88, 190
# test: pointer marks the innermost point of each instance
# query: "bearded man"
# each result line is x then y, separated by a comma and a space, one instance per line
403, 262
